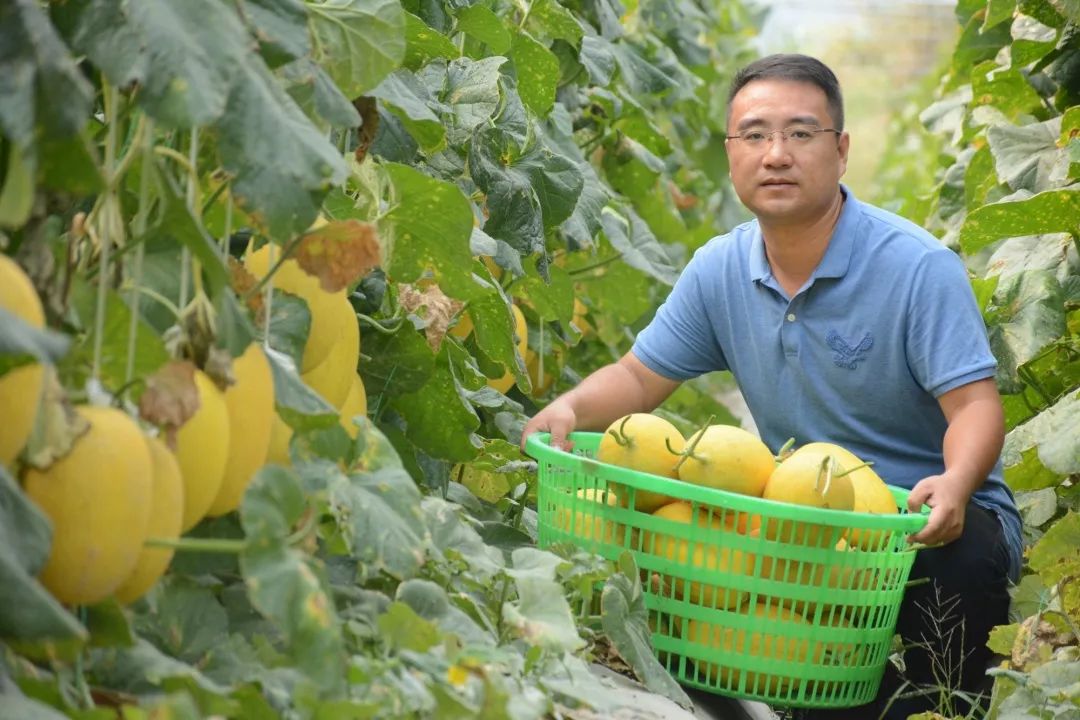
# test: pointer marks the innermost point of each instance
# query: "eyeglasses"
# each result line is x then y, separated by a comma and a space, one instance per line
796, 135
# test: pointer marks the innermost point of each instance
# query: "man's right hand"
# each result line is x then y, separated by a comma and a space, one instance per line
558, 418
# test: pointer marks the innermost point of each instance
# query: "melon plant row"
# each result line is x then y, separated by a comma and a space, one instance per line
215, 501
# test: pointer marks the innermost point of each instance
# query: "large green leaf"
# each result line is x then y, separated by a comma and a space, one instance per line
283, 165
1052, 211
424, 44
297, 404
427, 227
453, 535
549, 20
359, 42
410, 100
1006, 89
182, 55
284, 583
281, 28
1028, 157
1032, 40
376, 507
1024, 317
314, 91
40, 85
528, 189
626, 624
471, 92
481, 23
541, 616
537, 71
1053, 433
395, 363
639, 248
1055, 559
1069, 9
431, 602
440, 421
20, 338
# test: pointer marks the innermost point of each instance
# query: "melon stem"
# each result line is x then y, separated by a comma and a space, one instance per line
826, 471
620, 434
689, 451
785, 449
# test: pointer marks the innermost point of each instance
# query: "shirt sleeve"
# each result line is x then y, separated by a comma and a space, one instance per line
947, 345
680, 343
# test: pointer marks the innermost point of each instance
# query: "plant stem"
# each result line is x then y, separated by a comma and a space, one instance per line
112, 102
689, 451
146, 125
204, 545
599, 264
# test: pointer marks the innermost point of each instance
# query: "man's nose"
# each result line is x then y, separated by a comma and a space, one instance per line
776, 152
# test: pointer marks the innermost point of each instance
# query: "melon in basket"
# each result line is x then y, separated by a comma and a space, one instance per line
586, 523
728, 458
767, 640
815, 478
708, 558
645, 443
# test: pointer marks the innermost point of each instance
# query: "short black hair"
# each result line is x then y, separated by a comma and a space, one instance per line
796, 68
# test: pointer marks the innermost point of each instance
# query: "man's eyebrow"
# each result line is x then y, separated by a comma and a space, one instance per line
754, 122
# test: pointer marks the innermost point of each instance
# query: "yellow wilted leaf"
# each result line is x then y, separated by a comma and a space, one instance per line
170, 398
339, 253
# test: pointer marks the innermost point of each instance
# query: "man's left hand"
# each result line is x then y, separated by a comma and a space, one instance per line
947, 506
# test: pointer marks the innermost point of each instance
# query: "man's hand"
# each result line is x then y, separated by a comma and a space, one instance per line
947, 500
558, 418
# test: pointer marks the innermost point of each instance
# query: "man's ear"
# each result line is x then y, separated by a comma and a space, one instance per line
843, 145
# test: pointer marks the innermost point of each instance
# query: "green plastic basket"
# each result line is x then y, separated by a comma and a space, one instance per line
790, 613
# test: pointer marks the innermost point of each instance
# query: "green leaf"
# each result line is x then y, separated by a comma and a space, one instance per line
1002, 639
427, 228
1026, 471
495, 329
1047, 212
552, 299
187, 620
409, 99
598, 57
640, 74
537, 71
1054, 556
472, 93
358, 42
377, 511
549, 20
453, 536
284, 584
1070, 9
626, 624
529, 189
290, 324
13, 704
1028, 157
1032, 40
430, 602
41, 88
182, 56
281, 163
424, 44
1037, 507
997, 11
313, 90
1025, 316
397, 363
637, 245
481, 23
17, 196
20, 338
439, 420
281, 28
1053, 432
297, 404
402, 629
975, 46
31, 614
1005, 89
541, 616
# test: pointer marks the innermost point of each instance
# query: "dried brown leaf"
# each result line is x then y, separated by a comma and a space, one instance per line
170, 398
242, 282
339, 253
57, 427
369, 125
433, 306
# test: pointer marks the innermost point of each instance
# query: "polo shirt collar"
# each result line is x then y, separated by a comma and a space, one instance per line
837, 256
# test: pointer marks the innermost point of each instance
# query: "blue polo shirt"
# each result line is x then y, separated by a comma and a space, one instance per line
885, 324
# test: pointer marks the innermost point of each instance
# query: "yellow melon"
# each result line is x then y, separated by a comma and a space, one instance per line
768, 641
815, 478
280, 437
166, 514
586, 523
727, 458
20, 388
330, 313
98, 498
708, 556
355, 404
462, 327
646, 443
202, 449
332, 378
872, 495
250, 404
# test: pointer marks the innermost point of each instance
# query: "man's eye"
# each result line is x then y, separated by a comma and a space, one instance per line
800, 134
754, 137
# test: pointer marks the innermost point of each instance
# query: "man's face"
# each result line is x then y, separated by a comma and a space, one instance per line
785, 181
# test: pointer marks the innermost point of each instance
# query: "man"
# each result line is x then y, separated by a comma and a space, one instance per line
844, 323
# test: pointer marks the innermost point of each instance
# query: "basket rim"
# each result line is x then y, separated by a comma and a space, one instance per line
537, 445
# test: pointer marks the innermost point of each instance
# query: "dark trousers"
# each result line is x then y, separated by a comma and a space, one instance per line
945, 624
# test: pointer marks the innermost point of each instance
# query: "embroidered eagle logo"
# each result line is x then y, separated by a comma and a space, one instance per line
846, 356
